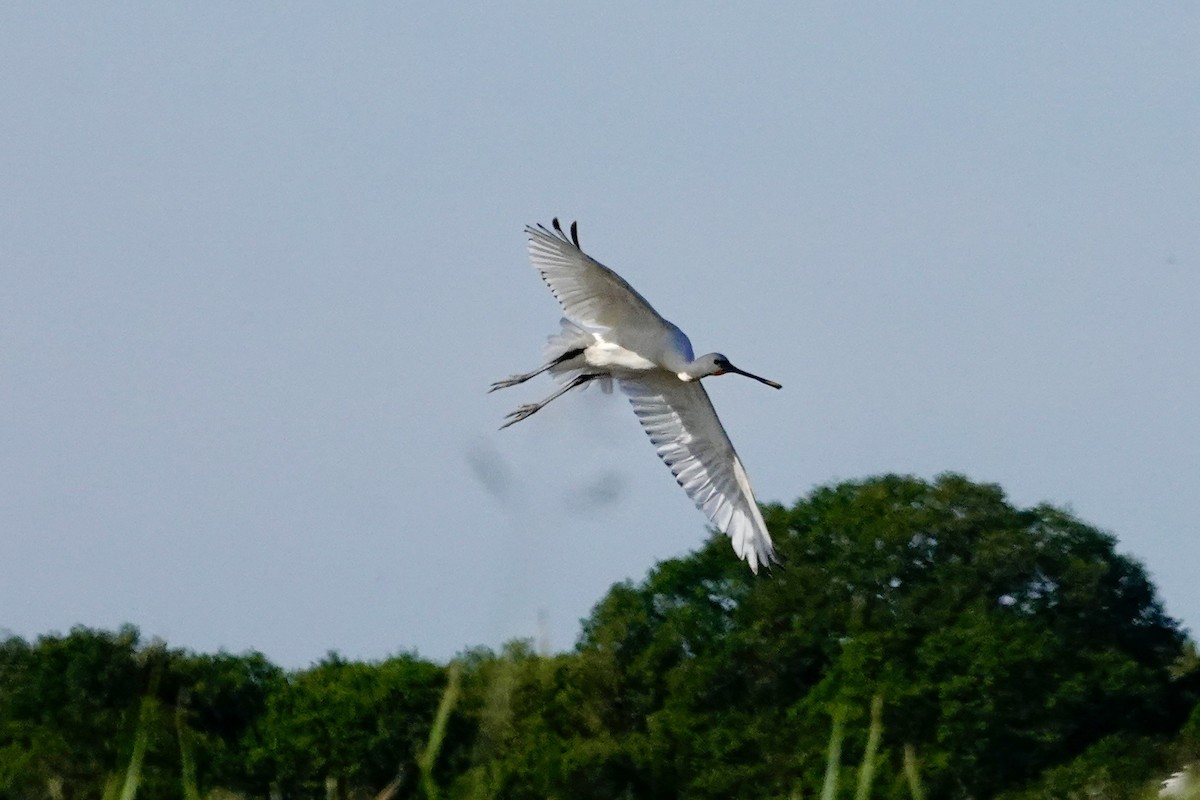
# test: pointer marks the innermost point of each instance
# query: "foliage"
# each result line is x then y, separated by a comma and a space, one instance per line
925, 639
358, 723
65, 703
1115, 768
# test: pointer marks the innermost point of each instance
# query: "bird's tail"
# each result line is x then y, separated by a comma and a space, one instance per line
571, 337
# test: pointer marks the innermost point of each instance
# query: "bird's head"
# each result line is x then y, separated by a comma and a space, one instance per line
718, 364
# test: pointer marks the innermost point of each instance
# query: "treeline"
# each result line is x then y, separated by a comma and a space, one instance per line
924, 639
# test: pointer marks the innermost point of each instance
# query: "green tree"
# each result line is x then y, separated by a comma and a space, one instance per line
221, 701
1003, 640
925, 639
67, 707
357, 723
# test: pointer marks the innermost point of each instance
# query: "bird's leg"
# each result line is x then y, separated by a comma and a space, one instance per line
513, 380
529, 409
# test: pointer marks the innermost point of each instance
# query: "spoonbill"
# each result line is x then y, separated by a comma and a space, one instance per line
609, 332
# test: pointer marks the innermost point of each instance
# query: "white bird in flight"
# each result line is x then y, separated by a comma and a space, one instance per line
610, 332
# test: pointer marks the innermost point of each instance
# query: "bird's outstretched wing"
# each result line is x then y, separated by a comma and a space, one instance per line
591, 294
682, 424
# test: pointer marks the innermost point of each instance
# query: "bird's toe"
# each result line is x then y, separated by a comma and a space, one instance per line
523, 412
512, 380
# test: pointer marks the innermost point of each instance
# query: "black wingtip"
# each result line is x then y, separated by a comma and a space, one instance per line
574, 239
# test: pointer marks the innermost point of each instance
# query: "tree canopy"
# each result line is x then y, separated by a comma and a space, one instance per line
924, 638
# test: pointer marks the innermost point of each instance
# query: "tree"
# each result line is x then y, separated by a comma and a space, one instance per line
221, 702
925, 639
1003, 640
67, 706
356, 723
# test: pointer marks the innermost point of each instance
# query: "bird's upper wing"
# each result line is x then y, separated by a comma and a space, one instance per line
591, 294
682, 424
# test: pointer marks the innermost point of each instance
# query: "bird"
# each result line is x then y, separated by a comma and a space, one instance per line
610, 333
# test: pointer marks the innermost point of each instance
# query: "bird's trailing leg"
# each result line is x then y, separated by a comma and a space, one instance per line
529, 409
513, 380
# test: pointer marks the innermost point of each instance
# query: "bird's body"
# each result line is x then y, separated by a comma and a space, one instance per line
609, 332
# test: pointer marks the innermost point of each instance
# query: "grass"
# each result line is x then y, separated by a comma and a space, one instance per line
437, 732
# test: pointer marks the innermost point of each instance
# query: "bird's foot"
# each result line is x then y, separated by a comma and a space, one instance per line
511, 380
524, 412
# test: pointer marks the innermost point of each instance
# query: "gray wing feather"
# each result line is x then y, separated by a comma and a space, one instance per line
592, 295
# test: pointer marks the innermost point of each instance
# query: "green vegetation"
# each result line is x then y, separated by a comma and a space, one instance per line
926, 639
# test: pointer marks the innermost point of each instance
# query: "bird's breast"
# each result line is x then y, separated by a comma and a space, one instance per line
609, 356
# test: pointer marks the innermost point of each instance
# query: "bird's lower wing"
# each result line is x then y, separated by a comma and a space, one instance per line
683, 426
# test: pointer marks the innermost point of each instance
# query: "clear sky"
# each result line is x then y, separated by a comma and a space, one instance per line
260, 262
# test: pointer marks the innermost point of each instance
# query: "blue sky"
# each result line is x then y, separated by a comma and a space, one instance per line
259, 263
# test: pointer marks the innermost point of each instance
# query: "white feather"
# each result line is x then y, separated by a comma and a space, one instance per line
682, 424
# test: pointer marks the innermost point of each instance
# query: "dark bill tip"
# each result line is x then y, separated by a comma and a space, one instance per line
758, 378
